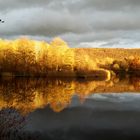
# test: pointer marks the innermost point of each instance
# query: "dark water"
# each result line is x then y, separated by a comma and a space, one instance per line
70, 109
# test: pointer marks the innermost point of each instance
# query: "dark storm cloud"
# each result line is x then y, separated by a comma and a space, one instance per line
34, 22
7, 5
109, 4
77, 20
76, 4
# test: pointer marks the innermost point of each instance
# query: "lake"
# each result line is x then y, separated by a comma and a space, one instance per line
59, 109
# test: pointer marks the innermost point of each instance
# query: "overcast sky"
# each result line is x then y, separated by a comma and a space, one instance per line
103, 23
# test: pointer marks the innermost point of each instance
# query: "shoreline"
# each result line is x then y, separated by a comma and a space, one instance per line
25, 57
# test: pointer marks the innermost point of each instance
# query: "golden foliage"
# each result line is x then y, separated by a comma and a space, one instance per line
25, 57
134, 62
27, 95
29, 57
83, 63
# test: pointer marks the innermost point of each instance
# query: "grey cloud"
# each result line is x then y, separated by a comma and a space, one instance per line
75, 5
34, 22
74, 21
112, 4
102, 36
7, 5
108, 5
116, 21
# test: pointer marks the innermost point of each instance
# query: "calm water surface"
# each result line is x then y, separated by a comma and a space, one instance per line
70, 109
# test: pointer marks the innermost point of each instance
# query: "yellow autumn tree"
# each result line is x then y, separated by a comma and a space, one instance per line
62, 57
25, 57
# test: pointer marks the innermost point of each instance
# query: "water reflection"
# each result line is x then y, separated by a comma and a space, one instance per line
27, 94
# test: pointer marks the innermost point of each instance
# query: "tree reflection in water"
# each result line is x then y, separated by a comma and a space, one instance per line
27, 94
